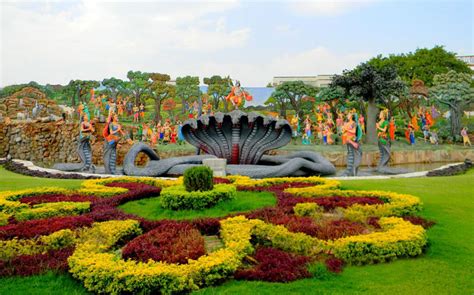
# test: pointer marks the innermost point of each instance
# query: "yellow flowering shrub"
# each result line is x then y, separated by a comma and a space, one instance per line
57, 240
9, 199
46, 210
399, 238
319, 182
308, 209
395, 204
4, 218
97, 186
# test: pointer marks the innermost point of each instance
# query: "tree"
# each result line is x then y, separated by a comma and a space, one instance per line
80, 89
454, 90
138, 84
411, 99
169, 105
114, 87
373, 85
278, 101
295, 91
218, 88
160, 90
423, 64
332, 95
187, 89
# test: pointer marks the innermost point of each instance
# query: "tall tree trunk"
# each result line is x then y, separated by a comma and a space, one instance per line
183, 106
283, 111
371, 131
157, 110
455, 120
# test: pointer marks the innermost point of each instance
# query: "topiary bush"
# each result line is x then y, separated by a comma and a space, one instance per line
198, 178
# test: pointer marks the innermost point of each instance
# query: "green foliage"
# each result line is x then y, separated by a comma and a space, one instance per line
279, 101
11, 89
294, 92
115, 87
374, 85
187, 89
80, 90
138, 84
178, 198
308, 209
198, 178
218, 88
422, 64
243, 202
160, 90
453, 90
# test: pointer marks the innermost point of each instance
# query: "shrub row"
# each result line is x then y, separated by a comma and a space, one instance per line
178, 198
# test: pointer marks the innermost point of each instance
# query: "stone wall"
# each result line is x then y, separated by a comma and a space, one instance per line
53, 142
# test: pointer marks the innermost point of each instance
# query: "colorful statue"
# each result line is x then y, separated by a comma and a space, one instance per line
112, 133
84, 148
391, 129
237, 95
352, 134
383, 140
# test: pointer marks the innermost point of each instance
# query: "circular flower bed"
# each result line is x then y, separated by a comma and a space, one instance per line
178, 198
313, 223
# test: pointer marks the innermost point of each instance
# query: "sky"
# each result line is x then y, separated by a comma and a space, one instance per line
252, 41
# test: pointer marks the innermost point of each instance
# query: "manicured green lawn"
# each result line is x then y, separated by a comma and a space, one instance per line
446, 268
12, 181
243, 202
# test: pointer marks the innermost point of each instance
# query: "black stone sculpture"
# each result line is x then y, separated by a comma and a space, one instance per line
85, 154
241, 139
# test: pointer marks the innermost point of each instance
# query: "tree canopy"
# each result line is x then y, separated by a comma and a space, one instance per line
218, 88
139, 84
422, 64
187, 89
160, 89
373, 85
454, 90
294, 91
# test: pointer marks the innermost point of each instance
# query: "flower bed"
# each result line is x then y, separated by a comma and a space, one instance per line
114, 252
177, 198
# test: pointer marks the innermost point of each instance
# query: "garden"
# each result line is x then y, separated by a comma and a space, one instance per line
235, 235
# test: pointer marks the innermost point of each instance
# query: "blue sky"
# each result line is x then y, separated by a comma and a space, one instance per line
54, 42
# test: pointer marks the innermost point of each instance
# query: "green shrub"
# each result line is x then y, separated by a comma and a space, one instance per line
198, 178
178, 198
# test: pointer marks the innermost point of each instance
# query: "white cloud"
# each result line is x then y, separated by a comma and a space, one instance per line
96, 40
93, 39
327, 7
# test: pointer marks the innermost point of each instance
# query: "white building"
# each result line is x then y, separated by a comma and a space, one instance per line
317, 81
469, 59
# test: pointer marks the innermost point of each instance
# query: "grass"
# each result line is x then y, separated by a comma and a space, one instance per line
243, 202
12, 181
447, 267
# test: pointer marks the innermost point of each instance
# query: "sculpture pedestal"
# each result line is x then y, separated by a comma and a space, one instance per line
217, 166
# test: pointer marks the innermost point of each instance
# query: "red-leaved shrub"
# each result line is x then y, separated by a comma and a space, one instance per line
26, 265
334, 264
417, 220
275, 266
172, 242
